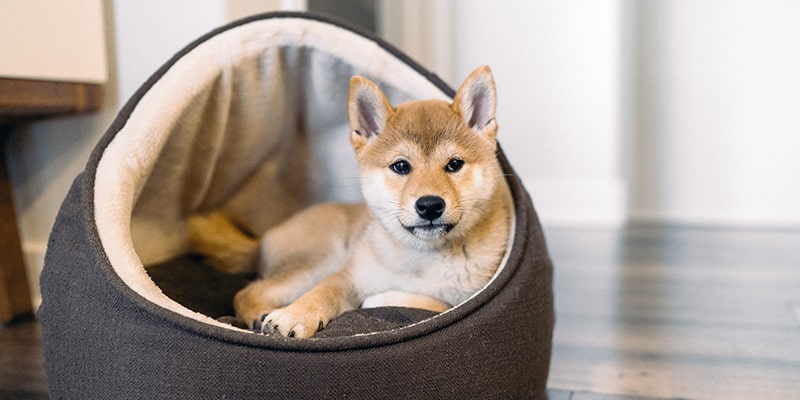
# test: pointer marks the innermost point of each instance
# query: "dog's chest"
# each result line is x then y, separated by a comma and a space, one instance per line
452, 279
450, 276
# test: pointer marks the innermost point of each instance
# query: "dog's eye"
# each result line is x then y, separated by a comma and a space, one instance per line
401, 167
454, 165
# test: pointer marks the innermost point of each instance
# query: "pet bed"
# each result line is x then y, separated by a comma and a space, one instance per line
251, 119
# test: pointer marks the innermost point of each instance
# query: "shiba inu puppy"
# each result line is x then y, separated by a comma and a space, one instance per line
432, 230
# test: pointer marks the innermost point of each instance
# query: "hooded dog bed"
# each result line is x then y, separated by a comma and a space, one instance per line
251, 119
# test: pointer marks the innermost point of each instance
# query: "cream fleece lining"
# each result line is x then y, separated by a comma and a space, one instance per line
252, 121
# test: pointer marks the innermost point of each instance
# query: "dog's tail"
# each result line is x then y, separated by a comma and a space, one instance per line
222, 244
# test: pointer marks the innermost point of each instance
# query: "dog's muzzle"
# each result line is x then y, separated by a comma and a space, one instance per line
430, 209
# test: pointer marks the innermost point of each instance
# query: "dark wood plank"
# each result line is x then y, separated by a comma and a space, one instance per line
27, 98
21, 361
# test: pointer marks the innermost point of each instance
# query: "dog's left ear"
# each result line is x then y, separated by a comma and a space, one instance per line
475, 101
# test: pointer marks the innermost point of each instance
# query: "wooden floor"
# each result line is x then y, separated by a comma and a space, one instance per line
643, 313
21, 373
676, 313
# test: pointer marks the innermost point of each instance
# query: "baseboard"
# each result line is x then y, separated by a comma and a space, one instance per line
719, 220
591, 203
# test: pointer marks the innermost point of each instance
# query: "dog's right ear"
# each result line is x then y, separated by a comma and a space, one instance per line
368, 110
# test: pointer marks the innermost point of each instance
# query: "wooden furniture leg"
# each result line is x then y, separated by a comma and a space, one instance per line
15, 295
28, 100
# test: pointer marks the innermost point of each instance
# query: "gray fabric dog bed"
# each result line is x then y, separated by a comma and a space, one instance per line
251, 119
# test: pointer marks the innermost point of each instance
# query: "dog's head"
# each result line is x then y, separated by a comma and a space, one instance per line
428, 168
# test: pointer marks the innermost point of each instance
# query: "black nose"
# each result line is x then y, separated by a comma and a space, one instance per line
430, 207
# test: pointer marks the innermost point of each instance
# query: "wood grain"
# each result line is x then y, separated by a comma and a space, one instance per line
27, 98
21, 362
677, 313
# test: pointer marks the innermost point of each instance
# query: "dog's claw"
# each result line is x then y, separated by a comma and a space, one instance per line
258, 324
291, 323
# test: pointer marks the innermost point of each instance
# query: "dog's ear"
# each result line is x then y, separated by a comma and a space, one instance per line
475, 101
368, 110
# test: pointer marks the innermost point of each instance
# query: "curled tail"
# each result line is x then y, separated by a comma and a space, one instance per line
222, 244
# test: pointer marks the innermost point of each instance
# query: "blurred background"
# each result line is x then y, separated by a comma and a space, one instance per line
613, 112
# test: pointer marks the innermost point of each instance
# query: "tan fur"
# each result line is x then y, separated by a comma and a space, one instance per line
226, 248
331, 258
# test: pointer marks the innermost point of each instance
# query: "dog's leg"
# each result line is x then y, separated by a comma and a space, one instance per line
224, 246
262, 296
403, 299
297, 255
313, 310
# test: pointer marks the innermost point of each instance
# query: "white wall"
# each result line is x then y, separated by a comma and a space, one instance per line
54, 40
719, 113
675, 111
557, 69
149, 32
44, 157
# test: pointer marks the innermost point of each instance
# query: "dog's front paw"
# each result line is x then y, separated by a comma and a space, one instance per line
293, 322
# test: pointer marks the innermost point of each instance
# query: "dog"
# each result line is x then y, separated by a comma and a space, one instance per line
432, 231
